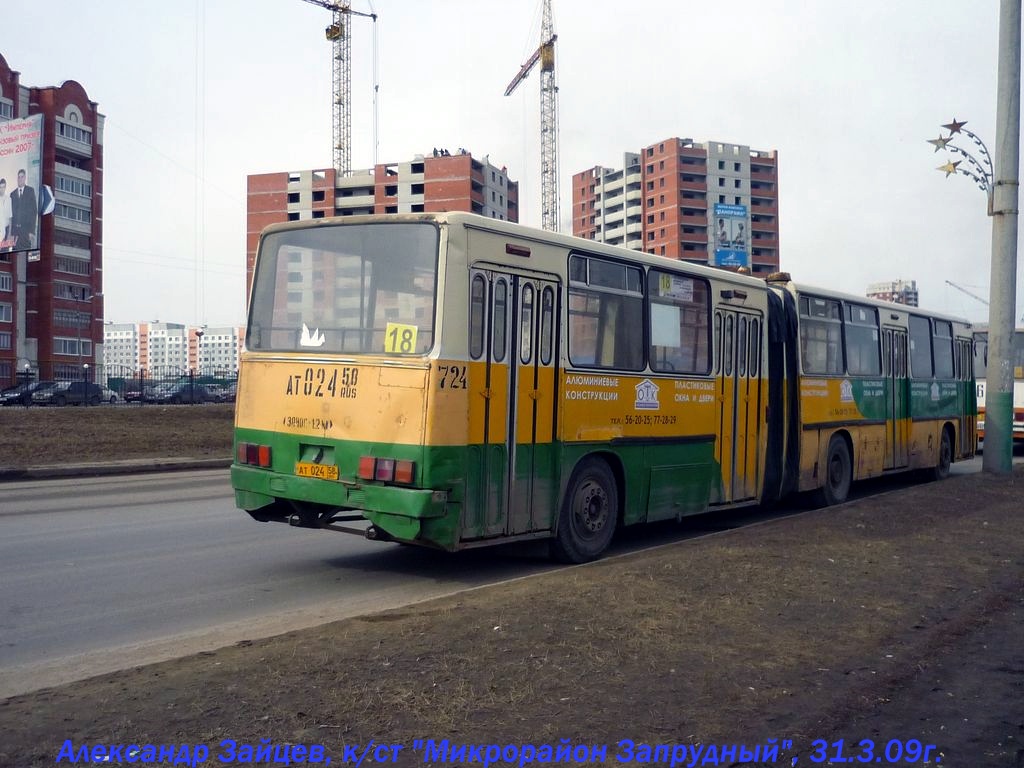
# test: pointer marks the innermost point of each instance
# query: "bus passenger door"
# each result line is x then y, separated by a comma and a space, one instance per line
490, 327
740, 400
897, 418
531, 405
512, 414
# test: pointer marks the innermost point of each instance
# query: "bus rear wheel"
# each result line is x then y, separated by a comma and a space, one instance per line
941, 470
589, 514
838, 473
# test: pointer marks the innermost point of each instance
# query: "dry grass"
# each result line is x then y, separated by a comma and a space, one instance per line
35, 436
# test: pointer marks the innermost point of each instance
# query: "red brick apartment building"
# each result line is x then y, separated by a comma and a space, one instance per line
711, 203
437, 182
51, 299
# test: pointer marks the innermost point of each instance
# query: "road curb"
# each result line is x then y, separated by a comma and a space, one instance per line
96, 469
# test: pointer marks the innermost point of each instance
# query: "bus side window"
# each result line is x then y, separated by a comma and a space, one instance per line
499, 329
821, 340
526, 324
718, 342
678, 312
477, 293
942, 344
728, 346
547, 317
862, 342
920, 348
606, 314
755, 348
741, 348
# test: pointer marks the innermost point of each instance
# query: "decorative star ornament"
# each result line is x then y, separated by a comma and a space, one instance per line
954, 127
940, 143
949, 167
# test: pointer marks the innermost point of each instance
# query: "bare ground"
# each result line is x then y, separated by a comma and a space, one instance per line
899, 616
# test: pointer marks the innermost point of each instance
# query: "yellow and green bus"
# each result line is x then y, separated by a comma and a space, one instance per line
455, 381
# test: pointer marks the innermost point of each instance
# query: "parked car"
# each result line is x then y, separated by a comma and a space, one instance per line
108, 395
220, 394
69, 393
22, 393
182, 392
132, 393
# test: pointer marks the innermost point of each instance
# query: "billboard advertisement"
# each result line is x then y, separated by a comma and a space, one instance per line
732, 239
21, 153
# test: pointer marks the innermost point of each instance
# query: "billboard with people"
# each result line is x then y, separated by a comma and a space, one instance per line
731, 236
21, 150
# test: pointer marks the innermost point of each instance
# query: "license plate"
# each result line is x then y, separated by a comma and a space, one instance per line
321, 471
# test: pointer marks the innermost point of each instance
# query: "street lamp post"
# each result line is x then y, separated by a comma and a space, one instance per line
976, 164
85, 388
999, 180
198, 368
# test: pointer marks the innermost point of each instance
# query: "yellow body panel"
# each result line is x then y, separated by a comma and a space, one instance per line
368, 401
597, 406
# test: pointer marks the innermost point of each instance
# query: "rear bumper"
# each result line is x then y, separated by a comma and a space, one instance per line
399, 511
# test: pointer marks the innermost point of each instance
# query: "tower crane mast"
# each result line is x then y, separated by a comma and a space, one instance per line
342, 80
545, 54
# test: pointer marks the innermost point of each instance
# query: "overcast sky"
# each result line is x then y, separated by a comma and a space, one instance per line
200, 93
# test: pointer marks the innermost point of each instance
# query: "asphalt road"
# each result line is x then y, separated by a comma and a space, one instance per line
103, 573
99, 574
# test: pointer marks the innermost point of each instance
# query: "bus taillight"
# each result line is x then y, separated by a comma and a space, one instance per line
367, 467
263, 455
253, 454
405, 471
387, 470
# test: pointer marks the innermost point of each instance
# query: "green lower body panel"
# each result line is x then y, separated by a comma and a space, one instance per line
659, 481
465, 494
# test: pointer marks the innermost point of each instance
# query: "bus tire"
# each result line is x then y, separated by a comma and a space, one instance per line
941, 470
838, 473
590, 512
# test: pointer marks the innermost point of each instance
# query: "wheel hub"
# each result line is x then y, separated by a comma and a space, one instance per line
593, 508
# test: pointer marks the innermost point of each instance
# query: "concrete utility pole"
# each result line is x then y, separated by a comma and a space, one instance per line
998, 457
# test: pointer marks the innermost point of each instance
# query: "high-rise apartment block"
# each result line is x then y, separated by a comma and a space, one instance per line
708, 203
51, 298
170, 349
898, 291
440, 181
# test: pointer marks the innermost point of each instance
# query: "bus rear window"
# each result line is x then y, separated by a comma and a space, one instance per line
357, 289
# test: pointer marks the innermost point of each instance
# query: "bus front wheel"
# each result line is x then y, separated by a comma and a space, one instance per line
838, 473
589, 514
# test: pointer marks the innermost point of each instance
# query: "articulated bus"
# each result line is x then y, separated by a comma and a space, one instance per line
455, 381
981, 371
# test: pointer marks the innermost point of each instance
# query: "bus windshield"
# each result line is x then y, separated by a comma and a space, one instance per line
362, 289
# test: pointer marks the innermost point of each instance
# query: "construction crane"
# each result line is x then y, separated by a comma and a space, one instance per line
545, 54
973, 295
964, 290
342, 75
